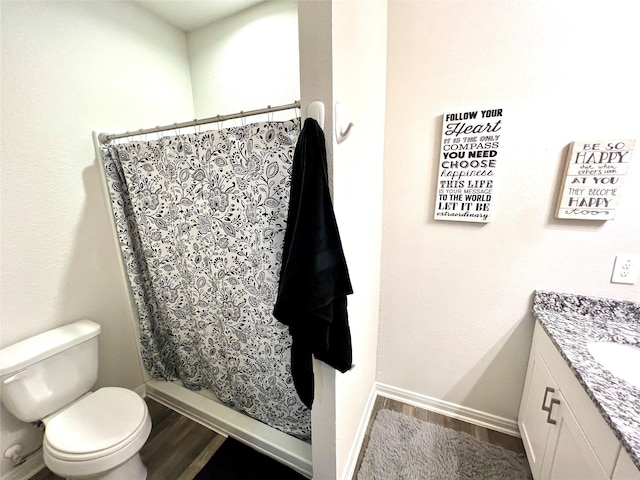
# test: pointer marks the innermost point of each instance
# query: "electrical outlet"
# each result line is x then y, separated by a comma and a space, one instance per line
626, 268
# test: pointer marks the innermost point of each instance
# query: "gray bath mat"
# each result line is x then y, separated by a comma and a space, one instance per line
402, 447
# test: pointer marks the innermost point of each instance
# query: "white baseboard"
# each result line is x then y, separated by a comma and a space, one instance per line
453, 410
141, 390
26, 470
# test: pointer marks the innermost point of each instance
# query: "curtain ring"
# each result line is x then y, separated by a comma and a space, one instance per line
243, 119
158, 132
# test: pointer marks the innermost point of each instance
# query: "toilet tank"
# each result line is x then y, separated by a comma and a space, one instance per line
44, 373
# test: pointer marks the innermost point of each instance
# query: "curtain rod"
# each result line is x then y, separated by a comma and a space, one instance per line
106, 138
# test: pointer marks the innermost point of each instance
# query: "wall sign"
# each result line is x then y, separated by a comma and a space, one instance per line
594, 174
469, 153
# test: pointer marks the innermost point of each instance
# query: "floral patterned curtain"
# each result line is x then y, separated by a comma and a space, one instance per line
201, 222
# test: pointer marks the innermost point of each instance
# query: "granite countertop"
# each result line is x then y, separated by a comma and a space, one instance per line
573, 321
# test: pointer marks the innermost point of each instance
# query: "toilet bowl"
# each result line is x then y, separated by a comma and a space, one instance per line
92, 435
98, 437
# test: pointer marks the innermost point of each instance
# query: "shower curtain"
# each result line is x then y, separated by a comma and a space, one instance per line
201, 222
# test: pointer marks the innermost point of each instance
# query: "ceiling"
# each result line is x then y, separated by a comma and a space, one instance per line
188, 15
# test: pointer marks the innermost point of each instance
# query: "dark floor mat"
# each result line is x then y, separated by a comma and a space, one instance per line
234, 460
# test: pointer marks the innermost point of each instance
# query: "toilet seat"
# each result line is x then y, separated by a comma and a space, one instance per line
97, 424
99, 432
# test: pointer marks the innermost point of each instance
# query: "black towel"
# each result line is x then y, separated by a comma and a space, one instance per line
314, 279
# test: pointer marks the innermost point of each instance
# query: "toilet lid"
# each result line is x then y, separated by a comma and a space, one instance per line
97, 422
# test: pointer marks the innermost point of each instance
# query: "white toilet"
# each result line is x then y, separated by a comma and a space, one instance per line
92, 435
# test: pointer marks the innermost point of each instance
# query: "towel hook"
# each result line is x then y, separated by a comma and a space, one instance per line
341, 134
315, 110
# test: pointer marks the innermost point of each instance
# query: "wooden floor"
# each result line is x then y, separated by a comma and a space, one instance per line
496, 438
178, 447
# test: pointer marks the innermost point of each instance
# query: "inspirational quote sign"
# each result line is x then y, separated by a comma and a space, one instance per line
594, 175
469, 154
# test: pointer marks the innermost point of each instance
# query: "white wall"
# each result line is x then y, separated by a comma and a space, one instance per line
247, 61
343, 59
359, 81
455, 297
69, 68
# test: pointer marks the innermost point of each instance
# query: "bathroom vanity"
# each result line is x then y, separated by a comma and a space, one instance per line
577, 419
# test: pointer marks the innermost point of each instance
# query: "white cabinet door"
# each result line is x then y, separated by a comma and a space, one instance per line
625, 469
539, 391
569, 455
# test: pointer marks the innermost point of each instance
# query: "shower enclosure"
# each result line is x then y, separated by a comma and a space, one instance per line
200, 219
